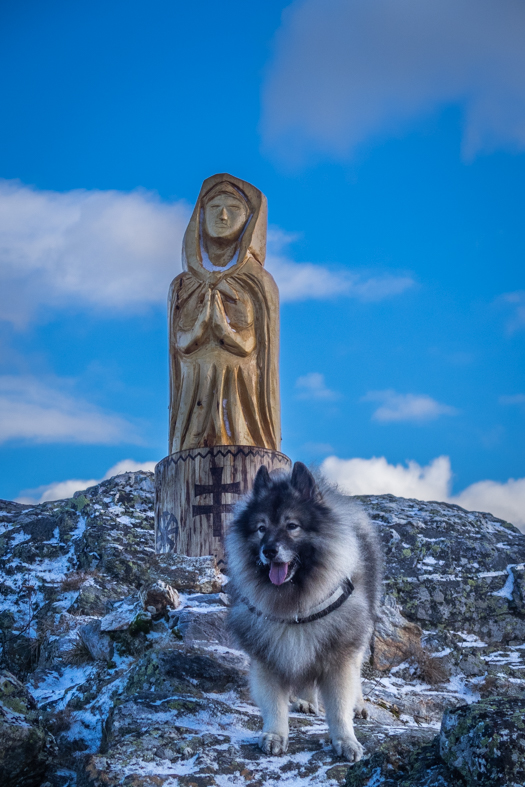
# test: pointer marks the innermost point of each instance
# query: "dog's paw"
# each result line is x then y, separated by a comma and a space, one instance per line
348, 747
361, 711
303, 706
273, 743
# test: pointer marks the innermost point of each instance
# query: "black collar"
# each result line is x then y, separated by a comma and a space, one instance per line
331, 603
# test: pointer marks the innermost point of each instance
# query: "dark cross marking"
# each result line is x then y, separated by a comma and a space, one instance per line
168, 526
217, 489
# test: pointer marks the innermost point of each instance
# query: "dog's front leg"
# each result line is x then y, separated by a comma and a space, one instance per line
340, 688
272, 698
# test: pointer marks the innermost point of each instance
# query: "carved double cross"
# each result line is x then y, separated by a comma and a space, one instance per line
217, 489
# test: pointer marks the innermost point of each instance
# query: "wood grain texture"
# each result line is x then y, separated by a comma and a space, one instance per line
223, 319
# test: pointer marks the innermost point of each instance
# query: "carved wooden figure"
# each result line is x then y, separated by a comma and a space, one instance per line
223, 314
224, 325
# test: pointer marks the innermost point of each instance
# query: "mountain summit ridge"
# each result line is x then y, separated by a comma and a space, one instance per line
123, 673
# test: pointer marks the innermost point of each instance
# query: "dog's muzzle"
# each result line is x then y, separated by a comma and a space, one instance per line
283, 563
275, 553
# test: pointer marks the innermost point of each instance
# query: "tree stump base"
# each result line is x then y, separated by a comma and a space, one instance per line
196, 490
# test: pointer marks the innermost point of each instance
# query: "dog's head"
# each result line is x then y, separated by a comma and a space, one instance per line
284, 525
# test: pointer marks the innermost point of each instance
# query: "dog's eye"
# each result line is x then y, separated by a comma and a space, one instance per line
261, 529
292, 526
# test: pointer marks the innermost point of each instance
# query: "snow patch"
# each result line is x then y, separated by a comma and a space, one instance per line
56, 687
508, 588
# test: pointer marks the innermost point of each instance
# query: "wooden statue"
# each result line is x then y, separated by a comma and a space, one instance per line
223, 314
224, 325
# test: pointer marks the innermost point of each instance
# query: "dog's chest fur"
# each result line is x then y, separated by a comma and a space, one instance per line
296, 651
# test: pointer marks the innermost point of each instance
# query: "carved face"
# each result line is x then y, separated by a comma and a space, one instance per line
225, 217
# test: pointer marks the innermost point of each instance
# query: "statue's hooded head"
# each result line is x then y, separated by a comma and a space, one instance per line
228, 226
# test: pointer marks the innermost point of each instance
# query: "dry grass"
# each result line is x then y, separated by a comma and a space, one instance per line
47, 625
74, 580
59, 722
430, 669
489, 686
79, 654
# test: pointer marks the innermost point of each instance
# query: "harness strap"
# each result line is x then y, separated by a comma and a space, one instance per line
333, 602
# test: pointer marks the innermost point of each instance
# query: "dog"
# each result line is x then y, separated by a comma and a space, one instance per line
305, 570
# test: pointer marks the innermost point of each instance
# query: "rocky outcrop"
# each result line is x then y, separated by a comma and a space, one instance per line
158, 597
447, 567
479, 745
395, 639
485, 742
26, 748
133, 675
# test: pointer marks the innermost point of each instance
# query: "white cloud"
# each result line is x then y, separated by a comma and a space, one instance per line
506, 501
516, 302
106, 249
406, 407
61, 490
431, 482
313, 386
305, 281
512, 399
376, 288
346, 71
298, 281
118, 252
376, 477
42, 412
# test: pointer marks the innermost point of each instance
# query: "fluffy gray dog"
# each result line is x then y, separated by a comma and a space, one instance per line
305, 571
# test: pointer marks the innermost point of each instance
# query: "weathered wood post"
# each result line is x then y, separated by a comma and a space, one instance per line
223, 314
191, 515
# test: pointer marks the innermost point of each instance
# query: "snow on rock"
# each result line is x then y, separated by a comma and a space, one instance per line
122, 616
27, 749
130, 668
158, 596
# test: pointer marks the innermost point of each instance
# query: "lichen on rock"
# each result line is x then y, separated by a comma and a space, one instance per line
485, 742
26, 748
127, 658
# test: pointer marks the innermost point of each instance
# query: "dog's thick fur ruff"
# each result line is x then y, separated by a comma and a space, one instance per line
292, 543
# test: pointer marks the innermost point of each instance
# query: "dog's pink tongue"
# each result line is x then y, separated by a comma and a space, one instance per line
278, 572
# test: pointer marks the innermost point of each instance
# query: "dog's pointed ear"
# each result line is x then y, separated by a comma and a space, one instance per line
262, 481
304, 482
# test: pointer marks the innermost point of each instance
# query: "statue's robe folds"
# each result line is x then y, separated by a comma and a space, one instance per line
223, 335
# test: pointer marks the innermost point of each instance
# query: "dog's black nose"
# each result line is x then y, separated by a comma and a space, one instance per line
270, 552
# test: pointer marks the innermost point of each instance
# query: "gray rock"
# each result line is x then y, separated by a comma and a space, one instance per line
215, 599
99, 644
472, 665
122, 616
25, 747
97, 594
204, 625
395, 637
518, 588
194, 574
448, 567
62, 643
411, 760
485, 742
458, 575
158, 596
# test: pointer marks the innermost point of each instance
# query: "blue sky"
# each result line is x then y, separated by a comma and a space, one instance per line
389, 138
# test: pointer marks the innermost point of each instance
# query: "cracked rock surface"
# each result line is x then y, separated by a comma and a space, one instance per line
129, 677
